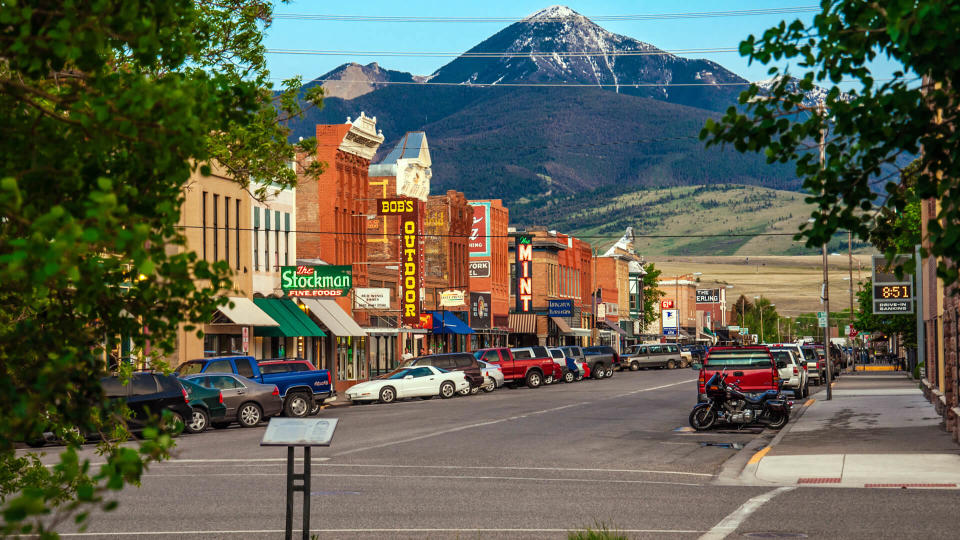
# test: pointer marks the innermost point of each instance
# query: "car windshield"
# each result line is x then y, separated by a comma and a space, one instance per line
739, 358
401, 373
190, 368
782, 355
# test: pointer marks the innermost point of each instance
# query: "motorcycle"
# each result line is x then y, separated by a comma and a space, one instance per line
727, 403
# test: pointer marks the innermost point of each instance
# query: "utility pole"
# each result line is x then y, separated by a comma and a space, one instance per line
826, 275
593, 282
850, 256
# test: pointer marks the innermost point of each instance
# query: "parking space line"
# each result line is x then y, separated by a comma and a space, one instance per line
437, 477
361, 531
730, 523
483, 467
501, 420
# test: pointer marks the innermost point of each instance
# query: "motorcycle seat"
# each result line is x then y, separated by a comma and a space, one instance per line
760, 398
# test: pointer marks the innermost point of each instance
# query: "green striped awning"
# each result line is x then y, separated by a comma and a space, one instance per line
293, 322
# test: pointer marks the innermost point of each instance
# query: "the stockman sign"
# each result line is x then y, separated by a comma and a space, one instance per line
410, 212
325, 281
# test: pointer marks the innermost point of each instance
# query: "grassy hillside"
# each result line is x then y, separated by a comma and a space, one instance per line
691, 210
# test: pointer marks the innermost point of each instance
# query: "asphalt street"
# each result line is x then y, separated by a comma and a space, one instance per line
517, 463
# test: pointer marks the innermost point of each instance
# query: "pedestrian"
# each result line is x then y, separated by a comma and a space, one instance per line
406, 354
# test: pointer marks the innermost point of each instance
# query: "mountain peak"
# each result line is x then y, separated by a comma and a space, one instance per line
553, 13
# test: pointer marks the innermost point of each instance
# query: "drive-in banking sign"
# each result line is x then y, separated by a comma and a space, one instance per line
325, 281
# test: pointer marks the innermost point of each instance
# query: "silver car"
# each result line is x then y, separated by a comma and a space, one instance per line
248, 402
492, 376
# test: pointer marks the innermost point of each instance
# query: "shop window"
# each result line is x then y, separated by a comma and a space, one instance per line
216, 231
226, 229
256, 238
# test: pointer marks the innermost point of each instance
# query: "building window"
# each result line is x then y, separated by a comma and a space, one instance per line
216, 232
203, 220
226, 229
266, 240
256, 238
276, 253
286, 239
237, 230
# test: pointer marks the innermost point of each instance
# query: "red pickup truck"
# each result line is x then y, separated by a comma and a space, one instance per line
530, 371
752, 368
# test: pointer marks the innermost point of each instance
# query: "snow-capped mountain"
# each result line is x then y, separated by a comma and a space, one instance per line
811, 98
557, 44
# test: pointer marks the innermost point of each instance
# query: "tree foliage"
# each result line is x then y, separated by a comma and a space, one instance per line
105, 110
871, 128
651, 293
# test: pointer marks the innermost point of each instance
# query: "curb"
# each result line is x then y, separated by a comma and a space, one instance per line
740, 469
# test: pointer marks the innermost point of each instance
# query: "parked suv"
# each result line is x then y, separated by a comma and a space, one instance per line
460, 361
572, 351
602, 360
662, 355
815, 367
791, 370
752, 368
149, 394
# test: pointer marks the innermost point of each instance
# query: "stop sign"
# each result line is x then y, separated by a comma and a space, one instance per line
851, 331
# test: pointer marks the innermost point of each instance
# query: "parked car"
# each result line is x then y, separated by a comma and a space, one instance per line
524, 369
148, 395
458, 361
248, 402
576, 353
206, 405
816, 369
492, 376
414, 381
697, 351
602, 360
791, 371
568, 366
751, 368
302, 391
659, 355
551, 371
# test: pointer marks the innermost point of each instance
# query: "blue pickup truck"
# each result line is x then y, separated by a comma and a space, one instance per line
303, 391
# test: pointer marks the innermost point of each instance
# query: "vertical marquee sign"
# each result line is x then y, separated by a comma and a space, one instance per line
410, 212
524, 274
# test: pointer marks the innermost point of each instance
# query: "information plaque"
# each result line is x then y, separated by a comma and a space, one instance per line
299, 432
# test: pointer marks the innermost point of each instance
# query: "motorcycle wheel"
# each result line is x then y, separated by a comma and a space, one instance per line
778, 419
702, 417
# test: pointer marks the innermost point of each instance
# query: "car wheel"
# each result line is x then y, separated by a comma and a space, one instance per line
489, 385
317, 404
464, 392
447, 390
249, 415
598, 371
474, 390
671, 364
548, 379
388, 394
220, 425
534, 379
199, 421
609, 373
298, 405
568, 377
634, 366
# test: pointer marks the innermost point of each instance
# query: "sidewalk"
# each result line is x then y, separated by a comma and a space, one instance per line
877, 431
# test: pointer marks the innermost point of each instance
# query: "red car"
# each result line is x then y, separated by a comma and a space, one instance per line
752, 368
524, 368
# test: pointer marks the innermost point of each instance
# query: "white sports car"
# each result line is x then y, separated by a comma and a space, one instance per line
416, 381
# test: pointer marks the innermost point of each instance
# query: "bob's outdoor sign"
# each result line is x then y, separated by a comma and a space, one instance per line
324, 281
411, 213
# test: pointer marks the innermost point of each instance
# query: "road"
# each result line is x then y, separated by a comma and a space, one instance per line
517, 463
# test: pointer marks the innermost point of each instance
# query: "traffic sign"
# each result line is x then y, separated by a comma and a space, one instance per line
822, 319
851, 331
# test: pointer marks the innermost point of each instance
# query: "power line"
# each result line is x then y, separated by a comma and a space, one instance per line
424, 235
631, 17
527, 85
543, 146
503, 54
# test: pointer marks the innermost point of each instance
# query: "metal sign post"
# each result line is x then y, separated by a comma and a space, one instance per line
294, 432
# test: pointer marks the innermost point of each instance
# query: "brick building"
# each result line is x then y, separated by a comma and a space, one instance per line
680, 292
489, 268
447, 226
331, 215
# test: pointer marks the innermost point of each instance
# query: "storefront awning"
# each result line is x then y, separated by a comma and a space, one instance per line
581, 332
391, 331
245, 312
293, 322
613, 327
562, 326
333, 317
523, 323
445, 322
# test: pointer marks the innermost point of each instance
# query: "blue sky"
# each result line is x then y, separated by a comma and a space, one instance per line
667, 34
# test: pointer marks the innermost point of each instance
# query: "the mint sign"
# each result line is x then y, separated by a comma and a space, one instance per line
316, 281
